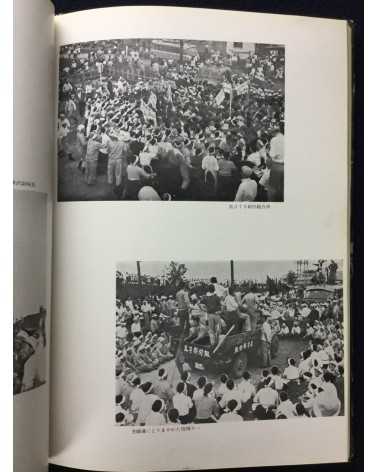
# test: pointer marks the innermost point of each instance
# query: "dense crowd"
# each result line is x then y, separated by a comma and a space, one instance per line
174, 135
311, 385
29, 352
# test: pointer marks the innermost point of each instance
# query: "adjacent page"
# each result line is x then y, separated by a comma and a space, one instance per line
201, 228
32, 231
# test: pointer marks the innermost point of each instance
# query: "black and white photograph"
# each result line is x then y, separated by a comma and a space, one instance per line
209, 342
29, 290
171, 120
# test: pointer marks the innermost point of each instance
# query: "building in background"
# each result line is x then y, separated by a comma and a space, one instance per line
240, 48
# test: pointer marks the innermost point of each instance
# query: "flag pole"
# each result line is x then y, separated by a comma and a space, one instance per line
231, 95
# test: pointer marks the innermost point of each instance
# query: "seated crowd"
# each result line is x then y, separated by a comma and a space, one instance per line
314, 387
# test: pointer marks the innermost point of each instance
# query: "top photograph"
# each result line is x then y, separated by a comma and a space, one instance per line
171, 120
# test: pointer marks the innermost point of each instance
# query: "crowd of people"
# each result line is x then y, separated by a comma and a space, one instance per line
29, 352
310, 385
174, 135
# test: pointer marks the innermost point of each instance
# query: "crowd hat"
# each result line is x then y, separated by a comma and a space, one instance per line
147, 387
136, 380
130, 378
162, 374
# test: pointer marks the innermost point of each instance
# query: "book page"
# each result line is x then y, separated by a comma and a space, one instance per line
201, 278
32, 230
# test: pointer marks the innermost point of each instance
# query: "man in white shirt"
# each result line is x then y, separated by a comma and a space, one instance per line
250, 300
246, 388
231, 416
136, 396
291, 372
231, 393
148, 193
327, 402
267, 396
286, 407
182, 403
277, 149
277, 156
247, 190
220, 291
156, 417
266, 339
146, 403
210, 165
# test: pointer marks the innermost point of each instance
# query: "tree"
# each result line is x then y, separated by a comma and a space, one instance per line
271, 285
291, 277
175, 273
120, 280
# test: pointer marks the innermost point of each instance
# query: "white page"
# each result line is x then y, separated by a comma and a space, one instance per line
92, 238
33, 145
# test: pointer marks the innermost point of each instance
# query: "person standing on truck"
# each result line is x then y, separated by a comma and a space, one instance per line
171, 306
233, 313
213, 306
250, 300
183, 306
220, 291
266, 339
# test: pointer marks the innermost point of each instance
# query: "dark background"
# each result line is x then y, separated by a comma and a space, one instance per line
351, 10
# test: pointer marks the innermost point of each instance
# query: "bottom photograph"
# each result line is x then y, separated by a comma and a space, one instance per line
208, 342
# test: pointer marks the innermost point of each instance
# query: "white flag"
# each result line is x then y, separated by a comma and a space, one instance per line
152, 100
242, 88
227, 87
169, 93
148, 113
220, 97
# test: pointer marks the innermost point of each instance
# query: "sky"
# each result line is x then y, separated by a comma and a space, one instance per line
30, 251
252, 270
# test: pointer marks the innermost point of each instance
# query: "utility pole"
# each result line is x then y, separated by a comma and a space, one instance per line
139, 274
181, 51
232, 273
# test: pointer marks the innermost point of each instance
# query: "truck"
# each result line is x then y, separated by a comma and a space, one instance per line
321, 293
232, 355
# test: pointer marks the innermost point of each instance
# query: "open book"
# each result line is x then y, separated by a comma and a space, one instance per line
181, 267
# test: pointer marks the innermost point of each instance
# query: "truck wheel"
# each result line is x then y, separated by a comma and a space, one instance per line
239, 364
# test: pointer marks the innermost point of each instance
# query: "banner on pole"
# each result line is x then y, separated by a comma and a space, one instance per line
147, 111
169, 93
227, 87
242, 88
152, 100
220, 97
